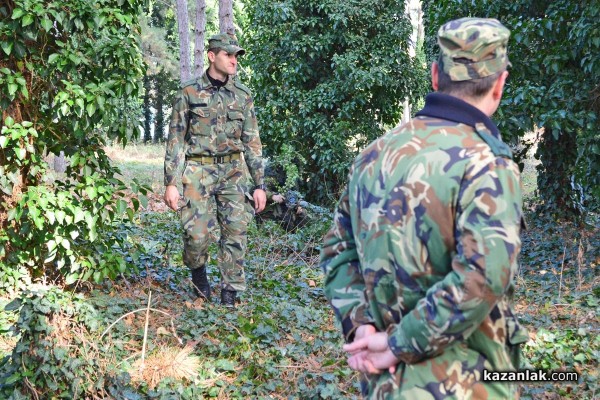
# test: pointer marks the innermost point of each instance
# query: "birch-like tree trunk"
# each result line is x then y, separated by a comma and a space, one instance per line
226, 17
183, 27
200, 31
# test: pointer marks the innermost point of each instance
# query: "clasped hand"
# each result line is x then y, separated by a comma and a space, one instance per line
370, 352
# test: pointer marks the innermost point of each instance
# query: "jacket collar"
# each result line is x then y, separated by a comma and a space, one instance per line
444, 106
206, 83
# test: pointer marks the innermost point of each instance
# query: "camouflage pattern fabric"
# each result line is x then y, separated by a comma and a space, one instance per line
207, 121
424, 246
472, 48
225, 42
291, 214
215, 198
211, 121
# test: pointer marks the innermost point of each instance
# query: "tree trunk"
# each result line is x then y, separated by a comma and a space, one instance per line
159, 121
183, 26
60, 164
147, 110
226, 17
200, 30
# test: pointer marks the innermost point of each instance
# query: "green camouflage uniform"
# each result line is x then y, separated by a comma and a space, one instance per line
210, 121
424, 246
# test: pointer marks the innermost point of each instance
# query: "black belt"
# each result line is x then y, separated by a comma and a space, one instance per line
215, 159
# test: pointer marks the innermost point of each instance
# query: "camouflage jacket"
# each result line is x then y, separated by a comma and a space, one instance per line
209, 121
425, 239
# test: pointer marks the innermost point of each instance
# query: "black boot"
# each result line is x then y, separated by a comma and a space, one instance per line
228, 298
200, 281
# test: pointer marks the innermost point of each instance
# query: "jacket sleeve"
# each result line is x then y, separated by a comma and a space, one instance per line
487, 230
252, 144
344, 284
175, 153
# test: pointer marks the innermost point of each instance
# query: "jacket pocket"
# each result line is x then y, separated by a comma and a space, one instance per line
200, 121
235, 122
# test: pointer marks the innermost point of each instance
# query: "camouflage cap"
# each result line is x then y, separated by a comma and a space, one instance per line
225, 42
472, 48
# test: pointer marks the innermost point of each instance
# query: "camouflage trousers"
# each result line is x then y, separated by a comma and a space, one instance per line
456, 374
216, 207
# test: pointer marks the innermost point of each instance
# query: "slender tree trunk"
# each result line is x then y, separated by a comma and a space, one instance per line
159, 120
226, 17
200, 31
183, 26
147, 109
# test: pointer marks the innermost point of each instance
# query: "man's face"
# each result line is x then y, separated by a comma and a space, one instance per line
223, 64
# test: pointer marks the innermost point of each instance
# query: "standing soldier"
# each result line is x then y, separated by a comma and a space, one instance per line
420, 261
214, 133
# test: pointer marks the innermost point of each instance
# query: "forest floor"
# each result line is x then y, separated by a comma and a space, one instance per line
283, 342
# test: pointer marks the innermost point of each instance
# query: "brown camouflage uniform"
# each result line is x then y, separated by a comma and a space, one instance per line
214, 133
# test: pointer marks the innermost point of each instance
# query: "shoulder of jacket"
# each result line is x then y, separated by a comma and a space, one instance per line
201, 83
242, 87
189, 82
498, 147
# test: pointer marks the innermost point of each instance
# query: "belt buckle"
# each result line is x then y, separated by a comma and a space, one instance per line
220, 159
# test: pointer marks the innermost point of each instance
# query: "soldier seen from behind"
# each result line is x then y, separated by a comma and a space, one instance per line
420, 261
214, 134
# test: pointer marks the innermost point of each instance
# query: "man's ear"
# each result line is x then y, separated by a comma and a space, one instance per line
434, 75
211, 56
499, 86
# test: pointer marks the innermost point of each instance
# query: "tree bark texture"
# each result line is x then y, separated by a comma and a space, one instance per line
226, 17
159, 120
60, 164
200, 31
183, 27
147, 110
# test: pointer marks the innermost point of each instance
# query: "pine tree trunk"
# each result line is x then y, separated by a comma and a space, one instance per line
200, 30
183, 26
159, 120
147, 109
226, 17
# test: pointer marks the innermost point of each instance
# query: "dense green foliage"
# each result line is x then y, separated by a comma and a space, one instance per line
554, 84
69, 74
329, 77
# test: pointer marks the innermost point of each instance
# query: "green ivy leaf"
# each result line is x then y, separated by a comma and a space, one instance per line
91, 109
71, 279
7, 47
21, 153
79, 102
47, 24
12, 89
18, 13
13, 305
91, 192
52, 58
225, 365
27, 20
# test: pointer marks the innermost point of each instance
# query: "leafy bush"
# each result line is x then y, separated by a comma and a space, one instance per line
329, 77
70, 71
